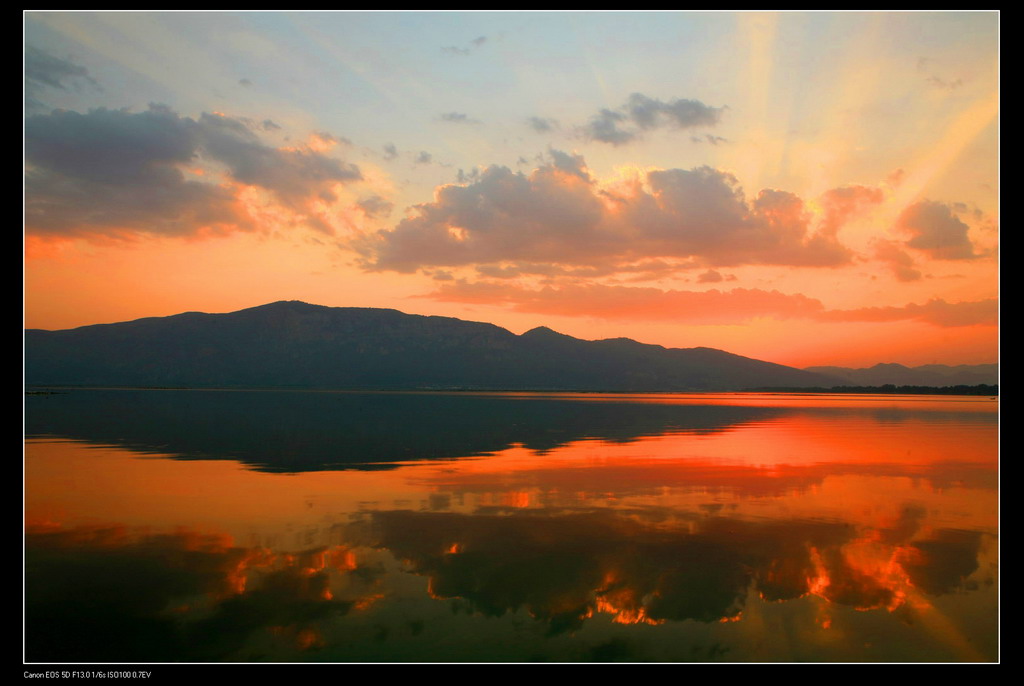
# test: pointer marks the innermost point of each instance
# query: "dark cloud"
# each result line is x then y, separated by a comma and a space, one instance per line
710, 276
390, 151
648, 113
939, 82
557, 214
43, 70
111, 171
244, 82
708, 138
571, 164
941, 564
467, 177
103, 594
458, 118
641, 113
563, 568
291, 173
424, 157
604, 127
474, 44
541, 124
935, 229
376, 206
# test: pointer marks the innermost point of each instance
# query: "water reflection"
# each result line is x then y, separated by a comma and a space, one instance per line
584, 529
181, 596
308, 431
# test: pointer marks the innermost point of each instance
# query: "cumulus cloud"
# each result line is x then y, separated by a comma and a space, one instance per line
935, 229
43, 71
642, 113
111, 171
560, 214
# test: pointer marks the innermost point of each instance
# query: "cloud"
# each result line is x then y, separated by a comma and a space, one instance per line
843, 203
636, 303
708, 138
458, 118
936, 311
376, 206
649, 113
700, 307
390, 151
474, 44
227, 598
939, 82
292, 174
424, 157
897, 259
43, 70
641, 113
112, 171
560, 214
604, 127
935, 229
541, 124
710, 276
643, 269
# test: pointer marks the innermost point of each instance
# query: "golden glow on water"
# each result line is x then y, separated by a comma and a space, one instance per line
820, 520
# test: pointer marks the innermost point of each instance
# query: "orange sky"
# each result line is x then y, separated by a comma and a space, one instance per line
801, 188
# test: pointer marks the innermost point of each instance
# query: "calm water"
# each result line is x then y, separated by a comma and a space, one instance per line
290, 526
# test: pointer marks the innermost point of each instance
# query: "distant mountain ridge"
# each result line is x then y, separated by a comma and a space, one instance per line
925, 375
291, 344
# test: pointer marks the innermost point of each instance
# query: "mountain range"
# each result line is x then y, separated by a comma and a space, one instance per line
925, 375
291, 344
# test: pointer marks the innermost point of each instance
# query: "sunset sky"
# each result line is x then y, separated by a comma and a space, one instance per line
804, 188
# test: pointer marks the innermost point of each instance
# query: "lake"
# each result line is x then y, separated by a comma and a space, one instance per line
277, 526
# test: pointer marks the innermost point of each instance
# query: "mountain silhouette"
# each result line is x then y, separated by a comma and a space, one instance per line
291, 344
925, 375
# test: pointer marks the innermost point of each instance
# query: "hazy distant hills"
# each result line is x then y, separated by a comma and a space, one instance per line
297, 345
926, 375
